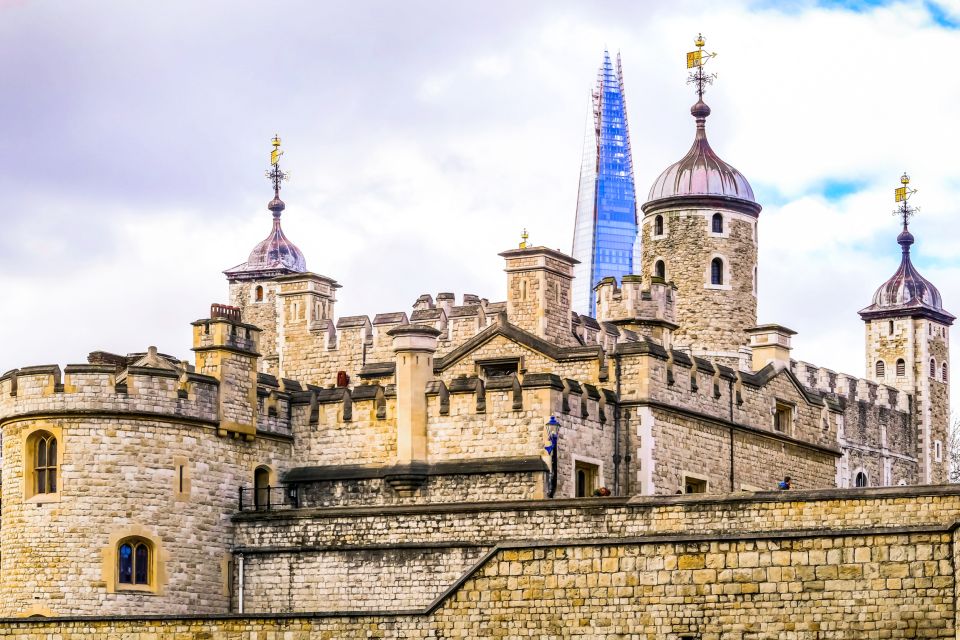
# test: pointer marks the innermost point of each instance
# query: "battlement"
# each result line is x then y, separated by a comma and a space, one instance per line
94, 388
850, 388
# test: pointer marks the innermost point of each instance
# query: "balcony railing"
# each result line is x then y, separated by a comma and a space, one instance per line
268, 498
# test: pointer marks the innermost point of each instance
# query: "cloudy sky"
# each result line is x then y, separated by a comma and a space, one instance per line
423, 136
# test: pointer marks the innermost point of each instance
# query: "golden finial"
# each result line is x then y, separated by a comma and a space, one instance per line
902, 194
524, 236
275, 153
696, 60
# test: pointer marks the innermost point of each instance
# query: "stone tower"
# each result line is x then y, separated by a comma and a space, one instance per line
908, 347
539, 292
253, 285
699, 231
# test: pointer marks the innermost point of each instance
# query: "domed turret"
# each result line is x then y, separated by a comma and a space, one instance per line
275, 255
907, 292
701, 172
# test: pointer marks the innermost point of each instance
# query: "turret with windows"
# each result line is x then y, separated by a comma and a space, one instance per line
907, 347
699, 231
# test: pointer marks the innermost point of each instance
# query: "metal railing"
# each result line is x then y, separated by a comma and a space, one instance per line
268, 498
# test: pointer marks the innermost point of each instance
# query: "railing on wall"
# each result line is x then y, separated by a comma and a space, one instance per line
268, 498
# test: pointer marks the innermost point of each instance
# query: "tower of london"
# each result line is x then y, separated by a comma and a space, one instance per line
467, 466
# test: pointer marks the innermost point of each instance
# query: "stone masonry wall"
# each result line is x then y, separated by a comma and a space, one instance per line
819, 565
711, 319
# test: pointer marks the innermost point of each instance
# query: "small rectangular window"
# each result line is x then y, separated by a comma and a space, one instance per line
694, 485
783, 418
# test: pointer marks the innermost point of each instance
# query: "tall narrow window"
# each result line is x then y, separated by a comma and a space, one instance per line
658, 226
890, 328
901, 368
133, 562
933, 368
716, 271
660, 269
259, 294
261, 488
881, 369
717, 223
943, 369
45, 463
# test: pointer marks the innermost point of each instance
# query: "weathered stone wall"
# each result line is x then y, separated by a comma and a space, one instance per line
818, 565
263, 314
712, 318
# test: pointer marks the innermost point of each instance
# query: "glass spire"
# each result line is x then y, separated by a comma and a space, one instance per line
605, 233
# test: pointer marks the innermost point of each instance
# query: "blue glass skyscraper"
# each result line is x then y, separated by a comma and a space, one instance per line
605, 233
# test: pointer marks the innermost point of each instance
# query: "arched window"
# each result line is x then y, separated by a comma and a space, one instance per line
717, 223
901, 368
933, 368
658, 226
861, 479
943, 369
134, 557
259, 294
660, 269
43, 451
261, 488
716, 271
881, 369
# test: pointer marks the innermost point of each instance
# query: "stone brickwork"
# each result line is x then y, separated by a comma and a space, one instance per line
114, 479
712, 319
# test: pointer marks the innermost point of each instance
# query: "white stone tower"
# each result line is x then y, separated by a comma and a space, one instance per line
908, 347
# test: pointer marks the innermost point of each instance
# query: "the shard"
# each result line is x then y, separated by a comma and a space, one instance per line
605, 233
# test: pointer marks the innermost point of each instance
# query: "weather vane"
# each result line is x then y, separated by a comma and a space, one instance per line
696, 60
275, 174
523, 238
902, 195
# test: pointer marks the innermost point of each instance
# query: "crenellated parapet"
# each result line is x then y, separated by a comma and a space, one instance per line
85, 388
629, 305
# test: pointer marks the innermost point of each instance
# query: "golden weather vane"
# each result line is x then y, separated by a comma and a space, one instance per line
696, 60
523, 238
902, 195
275, 174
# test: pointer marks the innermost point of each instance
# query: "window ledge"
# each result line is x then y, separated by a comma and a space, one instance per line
42, 498
718, 287
136, 588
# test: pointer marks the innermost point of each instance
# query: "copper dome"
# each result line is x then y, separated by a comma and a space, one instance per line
907, 292
701, 172
274, 255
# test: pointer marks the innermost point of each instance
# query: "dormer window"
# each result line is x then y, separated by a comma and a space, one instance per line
717, 223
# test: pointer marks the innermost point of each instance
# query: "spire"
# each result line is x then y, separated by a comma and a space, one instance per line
276, 176
906, 292
702, 173
275, 255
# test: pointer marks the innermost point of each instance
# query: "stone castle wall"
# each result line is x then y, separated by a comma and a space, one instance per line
145, 461
712, 319
822, 565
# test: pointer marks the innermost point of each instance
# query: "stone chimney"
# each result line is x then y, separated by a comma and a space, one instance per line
413, 347
539, 292
770, 343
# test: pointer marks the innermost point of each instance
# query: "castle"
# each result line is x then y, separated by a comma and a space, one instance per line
370, 467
